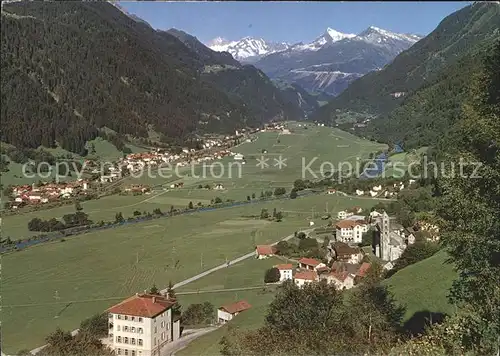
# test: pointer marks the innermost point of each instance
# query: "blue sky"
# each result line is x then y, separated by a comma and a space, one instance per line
290, 21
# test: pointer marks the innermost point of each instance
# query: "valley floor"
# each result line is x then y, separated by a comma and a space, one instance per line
60, 284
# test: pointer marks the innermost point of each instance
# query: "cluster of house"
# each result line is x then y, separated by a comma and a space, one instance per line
275, 127
346, 265
390, 238
137, 188
386, 192
46, 192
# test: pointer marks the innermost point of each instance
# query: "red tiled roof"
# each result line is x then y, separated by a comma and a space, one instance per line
285, 266
144, 305
365, 266
322, 269
266, 250
341, 276
306, 275
342, 249
237, 307
309, 261
349, 224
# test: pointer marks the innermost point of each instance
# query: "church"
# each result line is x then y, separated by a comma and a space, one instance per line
389, 239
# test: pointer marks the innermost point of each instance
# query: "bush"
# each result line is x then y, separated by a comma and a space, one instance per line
272, 275
96, 325
299, 184
301, 235
279, 191
282, 248
198, 314
308, 244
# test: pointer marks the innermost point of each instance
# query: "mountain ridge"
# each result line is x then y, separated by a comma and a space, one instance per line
250, 49
415, 100
457, 33
331, 67
121, 74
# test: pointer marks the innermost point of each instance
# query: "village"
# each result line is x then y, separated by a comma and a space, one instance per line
146, 321
99, 174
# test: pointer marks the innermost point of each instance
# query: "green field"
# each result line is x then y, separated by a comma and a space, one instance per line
327, 144
62, 283
244, 274
16, 226
399, 162
238, 182
424, 286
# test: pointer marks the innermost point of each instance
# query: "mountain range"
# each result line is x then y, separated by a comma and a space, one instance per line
327, 64
417, 97
123, 75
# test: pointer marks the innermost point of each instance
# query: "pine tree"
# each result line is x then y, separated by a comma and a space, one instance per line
154, 290
177, 308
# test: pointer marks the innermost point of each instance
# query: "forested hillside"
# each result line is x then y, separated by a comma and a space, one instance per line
458, 34
294, 93
69, 68
427, 116
242, 82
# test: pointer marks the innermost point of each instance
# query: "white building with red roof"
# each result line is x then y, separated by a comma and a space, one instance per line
341, 280
310, 264
264, 251
142, 325
304, 277
286, 271
227, 312
351, 231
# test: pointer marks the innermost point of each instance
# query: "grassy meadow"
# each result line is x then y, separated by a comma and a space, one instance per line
239, 181
61, 283
424, 286
244, 274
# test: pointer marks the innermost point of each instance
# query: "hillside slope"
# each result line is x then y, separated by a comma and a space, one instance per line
427, 115
457, 35
424, 286
70, 68
243, 83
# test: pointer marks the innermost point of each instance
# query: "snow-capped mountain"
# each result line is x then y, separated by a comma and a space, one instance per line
330, 36
335, 59
247, 49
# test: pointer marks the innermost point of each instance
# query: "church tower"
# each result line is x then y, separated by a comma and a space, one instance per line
385, 230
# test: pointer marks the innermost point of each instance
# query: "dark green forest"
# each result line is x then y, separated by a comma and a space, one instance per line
71, 68
426, 117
